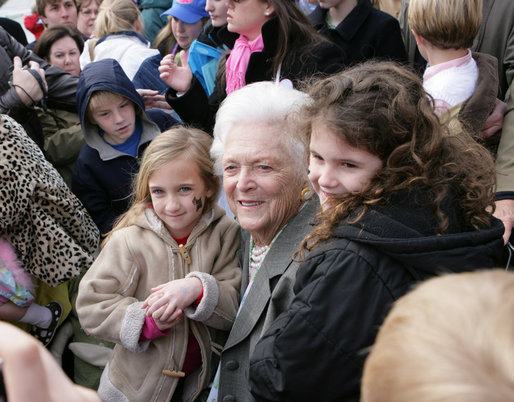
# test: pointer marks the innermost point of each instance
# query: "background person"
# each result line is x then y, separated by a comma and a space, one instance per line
276, 41
213, 41
360, 30
463, 83
55, 12
117, 131
86, 17
21, 89
117, 35
186, 21
61, 46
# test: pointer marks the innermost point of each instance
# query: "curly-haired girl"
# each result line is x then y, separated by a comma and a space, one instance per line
402, 200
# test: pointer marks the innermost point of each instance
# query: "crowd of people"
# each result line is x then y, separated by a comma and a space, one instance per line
257, 200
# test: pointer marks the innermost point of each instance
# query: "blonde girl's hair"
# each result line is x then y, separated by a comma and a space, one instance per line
115, 16
450, 339
448, 24
180, 142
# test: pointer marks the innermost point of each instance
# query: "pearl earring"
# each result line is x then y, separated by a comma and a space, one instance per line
266, 13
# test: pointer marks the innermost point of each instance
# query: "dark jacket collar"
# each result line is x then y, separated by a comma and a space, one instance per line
123, 33
405, 229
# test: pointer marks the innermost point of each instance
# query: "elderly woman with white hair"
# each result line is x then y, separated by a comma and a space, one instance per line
264, 169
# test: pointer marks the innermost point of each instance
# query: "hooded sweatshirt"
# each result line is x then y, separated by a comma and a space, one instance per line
102, 175
345, 288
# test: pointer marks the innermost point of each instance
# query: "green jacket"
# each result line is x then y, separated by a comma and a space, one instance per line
63, 139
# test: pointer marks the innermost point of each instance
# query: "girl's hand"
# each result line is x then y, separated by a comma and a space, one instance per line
178, 78
168, 299
153, 99
173, 320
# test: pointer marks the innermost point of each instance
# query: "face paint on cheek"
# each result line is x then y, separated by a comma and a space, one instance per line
198, 203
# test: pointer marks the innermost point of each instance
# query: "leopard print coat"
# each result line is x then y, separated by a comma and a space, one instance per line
54, 235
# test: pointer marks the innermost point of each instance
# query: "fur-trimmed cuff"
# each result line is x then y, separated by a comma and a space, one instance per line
131, 328
209, 300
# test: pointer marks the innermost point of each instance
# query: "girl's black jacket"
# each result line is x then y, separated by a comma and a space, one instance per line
315, 351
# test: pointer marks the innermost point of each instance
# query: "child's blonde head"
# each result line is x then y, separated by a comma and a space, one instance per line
447, 24
179, 142
115, 16
451, 339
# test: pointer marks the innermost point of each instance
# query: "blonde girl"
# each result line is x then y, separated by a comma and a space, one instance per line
117, 35
172, 254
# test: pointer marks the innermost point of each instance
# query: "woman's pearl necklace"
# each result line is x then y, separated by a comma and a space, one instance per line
258, 254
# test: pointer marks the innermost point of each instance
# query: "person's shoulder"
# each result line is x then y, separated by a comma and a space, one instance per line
87, 153
382, 18
318, 17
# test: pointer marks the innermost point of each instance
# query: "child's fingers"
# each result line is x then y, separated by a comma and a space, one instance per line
159, 287
157, 314
169, 312
154, 306
174, 318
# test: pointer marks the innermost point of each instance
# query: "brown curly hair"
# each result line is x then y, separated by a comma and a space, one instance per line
382, 107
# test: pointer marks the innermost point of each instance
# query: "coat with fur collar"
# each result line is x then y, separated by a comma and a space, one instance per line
138, 258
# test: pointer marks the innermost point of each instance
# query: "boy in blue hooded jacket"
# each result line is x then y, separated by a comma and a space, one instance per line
116, 130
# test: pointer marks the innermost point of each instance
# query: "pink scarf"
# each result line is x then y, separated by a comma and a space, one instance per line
237, 62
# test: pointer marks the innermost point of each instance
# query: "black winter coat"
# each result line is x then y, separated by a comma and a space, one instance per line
344, 289
196, 109
366, 33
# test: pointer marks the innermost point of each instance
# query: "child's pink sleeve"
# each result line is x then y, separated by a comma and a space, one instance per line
150, 330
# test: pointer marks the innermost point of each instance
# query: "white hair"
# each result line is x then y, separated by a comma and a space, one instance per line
261, 102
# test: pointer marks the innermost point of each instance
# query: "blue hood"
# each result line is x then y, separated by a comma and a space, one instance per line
104, 75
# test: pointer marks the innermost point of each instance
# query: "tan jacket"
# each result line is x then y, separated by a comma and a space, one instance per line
143, 256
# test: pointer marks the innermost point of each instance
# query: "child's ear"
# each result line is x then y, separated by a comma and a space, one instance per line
209, 193
137, 26
418, 37
91, 118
